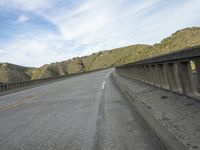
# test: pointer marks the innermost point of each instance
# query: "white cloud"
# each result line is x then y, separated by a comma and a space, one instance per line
22, 19
95, 25
34, 51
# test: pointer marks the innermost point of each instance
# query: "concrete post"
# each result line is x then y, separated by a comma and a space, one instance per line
133, 70
5, 88
171, 77
1, 88
15, 85
141, 75
144, 74
186, 78
153, 74
9, 87
157, 76
177, 79
147, 74
163, 76
18, 85
150, 75
197, 67
136, 72
130, 72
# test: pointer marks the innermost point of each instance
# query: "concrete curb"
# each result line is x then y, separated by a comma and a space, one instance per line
167, 137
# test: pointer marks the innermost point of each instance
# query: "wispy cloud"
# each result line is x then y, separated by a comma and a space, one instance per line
57, 30
22, 18
32, 50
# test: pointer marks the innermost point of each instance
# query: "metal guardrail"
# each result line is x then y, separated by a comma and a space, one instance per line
172, 71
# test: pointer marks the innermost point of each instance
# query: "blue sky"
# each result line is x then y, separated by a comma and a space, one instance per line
37, 32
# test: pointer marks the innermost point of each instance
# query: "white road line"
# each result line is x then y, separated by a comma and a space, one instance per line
103, 86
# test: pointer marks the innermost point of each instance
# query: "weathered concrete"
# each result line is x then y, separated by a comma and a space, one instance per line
173, 117
86, 112
186, 78
171, 71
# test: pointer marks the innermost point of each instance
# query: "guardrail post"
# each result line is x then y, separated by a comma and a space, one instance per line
141, 75
130, 72
21, 84
18, 85
177, 77
1, 88
136, 72
197, 67
153, 74
186, 77
8, 87
15, 85
147, 74
157, 76
150, 74
133, 72
172, 77
163, 76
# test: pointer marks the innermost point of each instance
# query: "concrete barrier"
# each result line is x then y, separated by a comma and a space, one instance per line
171, 72
18, 86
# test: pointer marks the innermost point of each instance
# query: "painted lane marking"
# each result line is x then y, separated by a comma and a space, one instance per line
103, 86
14, 105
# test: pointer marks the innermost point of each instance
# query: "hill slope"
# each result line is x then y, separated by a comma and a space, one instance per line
14, 73
104, 59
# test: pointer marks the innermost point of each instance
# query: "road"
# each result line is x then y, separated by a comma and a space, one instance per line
86, 112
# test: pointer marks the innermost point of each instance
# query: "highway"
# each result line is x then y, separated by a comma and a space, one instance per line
86, 112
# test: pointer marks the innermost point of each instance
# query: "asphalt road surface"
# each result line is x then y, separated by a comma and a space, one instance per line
86, 112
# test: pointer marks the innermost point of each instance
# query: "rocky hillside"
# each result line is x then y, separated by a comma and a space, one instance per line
14, 73
104, 59
181, 39
100, 60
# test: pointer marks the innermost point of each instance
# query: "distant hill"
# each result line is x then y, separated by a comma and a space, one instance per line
14, 73
104, 59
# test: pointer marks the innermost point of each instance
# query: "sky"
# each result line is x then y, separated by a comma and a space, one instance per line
37, 32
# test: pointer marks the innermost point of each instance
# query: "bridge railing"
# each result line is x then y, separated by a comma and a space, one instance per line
17, 86
172, 71
11, 87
